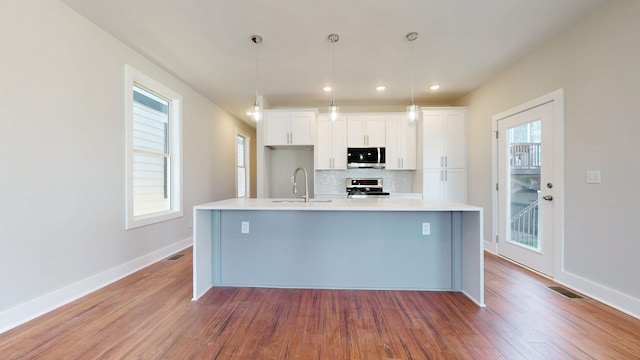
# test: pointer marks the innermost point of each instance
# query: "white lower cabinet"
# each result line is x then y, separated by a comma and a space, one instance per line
445, 184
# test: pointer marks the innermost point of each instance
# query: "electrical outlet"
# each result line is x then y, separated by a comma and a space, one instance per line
426, 228
245, 227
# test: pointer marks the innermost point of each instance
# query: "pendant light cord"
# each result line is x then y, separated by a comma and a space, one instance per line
257, 79
412, 73
333, 71
334, 39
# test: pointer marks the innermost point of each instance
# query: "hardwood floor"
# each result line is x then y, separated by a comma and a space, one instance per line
149, 315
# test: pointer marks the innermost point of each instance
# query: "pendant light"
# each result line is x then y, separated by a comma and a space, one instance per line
412, 109
333, 109
256, 110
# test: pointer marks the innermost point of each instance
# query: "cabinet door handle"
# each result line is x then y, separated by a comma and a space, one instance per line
441, 161
441, 175
446, 161
446, 175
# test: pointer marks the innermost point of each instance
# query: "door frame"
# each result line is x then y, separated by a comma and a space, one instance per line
557, 97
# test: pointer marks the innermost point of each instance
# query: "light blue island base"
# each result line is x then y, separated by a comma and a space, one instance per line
338, 247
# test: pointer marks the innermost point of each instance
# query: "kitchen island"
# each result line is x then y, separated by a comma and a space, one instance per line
391, 244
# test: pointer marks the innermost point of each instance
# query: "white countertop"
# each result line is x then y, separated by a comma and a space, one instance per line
371, 204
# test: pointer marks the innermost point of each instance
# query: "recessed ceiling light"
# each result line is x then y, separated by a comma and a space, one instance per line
434, 87
249, 113
327, 88
381, 88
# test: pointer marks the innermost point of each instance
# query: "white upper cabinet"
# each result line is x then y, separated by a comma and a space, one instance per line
400, 142
331, 144
289, 127
444, 140
366, 131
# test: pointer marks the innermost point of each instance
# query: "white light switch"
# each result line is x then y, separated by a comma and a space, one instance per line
594, 177
426, 228
245, 227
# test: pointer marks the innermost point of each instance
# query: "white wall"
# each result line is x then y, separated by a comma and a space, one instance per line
597, 63
62, 171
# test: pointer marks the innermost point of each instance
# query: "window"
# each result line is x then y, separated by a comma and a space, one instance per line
242, 165
154, 186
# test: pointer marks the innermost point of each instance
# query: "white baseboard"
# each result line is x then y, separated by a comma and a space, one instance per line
490, 247
614, 298
610, 297
30, 310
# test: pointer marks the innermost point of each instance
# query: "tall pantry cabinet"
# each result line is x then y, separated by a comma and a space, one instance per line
444, 139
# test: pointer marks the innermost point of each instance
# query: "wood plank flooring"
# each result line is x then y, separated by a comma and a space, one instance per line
149, 315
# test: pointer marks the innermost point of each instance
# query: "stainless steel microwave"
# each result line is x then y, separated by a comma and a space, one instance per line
372, 157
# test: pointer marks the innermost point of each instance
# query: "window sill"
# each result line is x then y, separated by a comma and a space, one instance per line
150, 219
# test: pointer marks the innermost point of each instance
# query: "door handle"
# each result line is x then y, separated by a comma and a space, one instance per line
548, 197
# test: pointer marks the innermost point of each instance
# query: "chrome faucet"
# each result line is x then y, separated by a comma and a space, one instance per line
306, 184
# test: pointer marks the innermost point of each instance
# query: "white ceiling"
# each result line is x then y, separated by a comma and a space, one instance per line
207, 44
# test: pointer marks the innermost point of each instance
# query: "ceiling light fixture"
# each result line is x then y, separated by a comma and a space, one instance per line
434, 87
333, 109
327, 88
412, 109
381, 88
256, 111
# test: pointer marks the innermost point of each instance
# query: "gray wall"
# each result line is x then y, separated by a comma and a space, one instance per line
597, 63
62, 160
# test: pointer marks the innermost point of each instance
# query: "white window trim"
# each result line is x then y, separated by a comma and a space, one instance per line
133, 76
247, 161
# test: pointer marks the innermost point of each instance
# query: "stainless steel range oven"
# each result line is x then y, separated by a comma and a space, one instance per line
365, 188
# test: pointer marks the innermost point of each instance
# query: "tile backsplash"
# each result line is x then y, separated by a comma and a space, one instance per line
333, 182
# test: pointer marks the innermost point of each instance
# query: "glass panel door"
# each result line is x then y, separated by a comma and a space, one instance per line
525, 164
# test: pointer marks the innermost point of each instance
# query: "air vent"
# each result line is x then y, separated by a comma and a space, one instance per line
564, 292
175, 257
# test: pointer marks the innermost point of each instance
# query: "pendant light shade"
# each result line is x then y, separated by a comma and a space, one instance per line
256, 109
412, 109
333, 108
